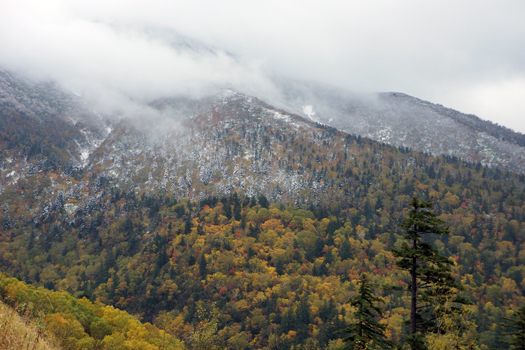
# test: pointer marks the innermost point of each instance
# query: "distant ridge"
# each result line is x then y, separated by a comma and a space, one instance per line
405, 121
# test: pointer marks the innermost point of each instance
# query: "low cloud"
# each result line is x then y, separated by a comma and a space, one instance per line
115, 65
459, 54
501, 98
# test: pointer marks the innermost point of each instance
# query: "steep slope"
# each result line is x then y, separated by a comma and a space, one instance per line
229, 142
17, 333
392, 118
405, 121
71, 323
272, 270
42, 126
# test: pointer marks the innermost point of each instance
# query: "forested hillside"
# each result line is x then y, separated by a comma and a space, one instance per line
56, 320
279, 273
406, 121
227, 204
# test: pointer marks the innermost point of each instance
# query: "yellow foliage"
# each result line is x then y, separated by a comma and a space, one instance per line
66, 328
291, 336
324, 289
260, 297
273, 224
269, 237
509, 286
241, 305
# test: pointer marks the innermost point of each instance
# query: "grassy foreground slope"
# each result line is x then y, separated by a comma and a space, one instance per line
19, 333
72, 323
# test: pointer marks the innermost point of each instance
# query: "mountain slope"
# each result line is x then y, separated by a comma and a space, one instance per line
72, 323
18, 333
41, 120
175, 210
235, 142
405, 121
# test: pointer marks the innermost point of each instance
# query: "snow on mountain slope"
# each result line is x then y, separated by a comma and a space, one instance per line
404, 121
191, 148
226, 142
26, 107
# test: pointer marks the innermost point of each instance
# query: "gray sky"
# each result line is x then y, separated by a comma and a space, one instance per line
467, 55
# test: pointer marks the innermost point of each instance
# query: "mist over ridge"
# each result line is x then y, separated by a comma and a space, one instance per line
469, 59
257, 160
121, 68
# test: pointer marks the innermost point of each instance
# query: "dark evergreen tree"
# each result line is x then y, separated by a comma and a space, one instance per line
237, 211
345, 253
319, 246
430, 277
188, 226
302, 318
287, 321
236, 206
279, 267
253, 230
263, 201
162, 257
367, 332
517, 325
202, 266
228, 210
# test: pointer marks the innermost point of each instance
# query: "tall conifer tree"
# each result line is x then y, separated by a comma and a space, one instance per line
430, 276
517, 324
367, 332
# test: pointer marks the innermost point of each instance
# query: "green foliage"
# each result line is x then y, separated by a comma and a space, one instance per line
516, 323
81, 324
431, 281
100, 328
367, 332
144, 251
205, 335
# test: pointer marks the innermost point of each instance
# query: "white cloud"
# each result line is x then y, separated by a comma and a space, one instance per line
448, 52
503, 101
84, 54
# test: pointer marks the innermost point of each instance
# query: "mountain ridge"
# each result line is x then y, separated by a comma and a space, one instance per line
393, 118
266, 213
405, 121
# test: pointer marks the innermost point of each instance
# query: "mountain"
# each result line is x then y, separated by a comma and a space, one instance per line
45, 121
405, 121
231, 141
228, 199
228, 142
197, 148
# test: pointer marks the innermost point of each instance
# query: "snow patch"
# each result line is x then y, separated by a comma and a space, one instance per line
70, 207
225, 94
309, 111
281, 116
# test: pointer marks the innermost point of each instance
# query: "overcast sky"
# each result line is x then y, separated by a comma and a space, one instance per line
467, 55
